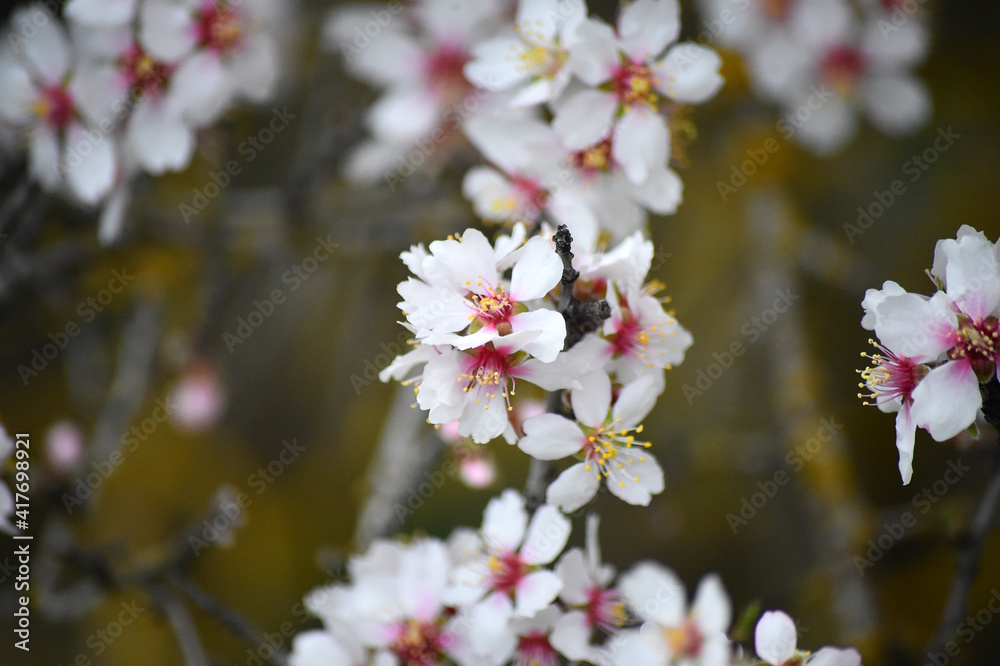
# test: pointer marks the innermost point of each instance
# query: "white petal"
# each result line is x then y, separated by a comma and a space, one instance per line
906, 430
497, 64
775, 637
689, 73
914, 326
661, 192
573, 488
160, 141
43, 156
829, 656
592, 400
637, 481
551, 328
640, 143
550, 437
92, 177
254, 68
711, 608
595, 55
537, 271
655, 593
19, 92
200, 89
536, 591
972, 275
571, 636
585, 118
101, 12
547, 535
490, 623
48, 49
635, 401
828, 128
572, 570
647, 26
317, 648
166, 30
897, 104
946, 400
505, 521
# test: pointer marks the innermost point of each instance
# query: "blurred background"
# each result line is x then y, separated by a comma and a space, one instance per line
290, 414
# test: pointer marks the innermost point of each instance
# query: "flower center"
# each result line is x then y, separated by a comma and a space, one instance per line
842, 68
55, 106
605, 609
890, 376
778, 10
979, 343
219, 27
489, 371
534, 649
419, 643
611, 449
142, 73
595, 158
506, 571
634, 85
493, 308
685, 640
443, 69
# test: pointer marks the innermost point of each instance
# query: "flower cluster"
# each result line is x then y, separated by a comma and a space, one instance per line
503, 595
573, 115
122, 87
826, 61
935, 352
476, 334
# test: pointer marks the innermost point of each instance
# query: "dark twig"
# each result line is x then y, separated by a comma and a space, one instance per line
991, 403
227, 617
182, 624
969, 553
581, 317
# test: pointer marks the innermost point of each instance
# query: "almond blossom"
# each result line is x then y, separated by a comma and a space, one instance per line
601, 436
625, 80
505, 580
672, 633
530, 59
42, 96
936, 351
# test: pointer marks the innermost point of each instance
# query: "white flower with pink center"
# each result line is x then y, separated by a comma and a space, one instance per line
671, 632
626, 79
221, 50
955, 333
775, 640
416, 52
475, 387
505, 580
42, 95
394, 606
594, 606
466, 304
603, 437
534, 639
531, 59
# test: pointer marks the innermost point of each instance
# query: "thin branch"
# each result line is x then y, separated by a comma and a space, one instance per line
969, 554
401, 458
227, 617
182, 624
581, 317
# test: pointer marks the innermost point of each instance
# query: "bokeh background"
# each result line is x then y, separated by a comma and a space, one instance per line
301, 376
